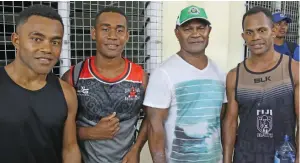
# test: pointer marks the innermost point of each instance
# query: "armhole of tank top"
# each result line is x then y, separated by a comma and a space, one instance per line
290, 72
236, 81
61, 89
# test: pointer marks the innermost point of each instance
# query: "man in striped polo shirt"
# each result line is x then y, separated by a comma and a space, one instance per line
185, 96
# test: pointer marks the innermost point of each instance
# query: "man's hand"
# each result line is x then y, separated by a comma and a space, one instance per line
133, 156
106, 128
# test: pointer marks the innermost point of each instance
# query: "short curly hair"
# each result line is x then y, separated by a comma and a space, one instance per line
38, 10
258, 9
111, 9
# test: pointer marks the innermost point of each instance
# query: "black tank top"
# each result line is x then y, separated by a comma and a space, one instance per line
31, 122
266, 111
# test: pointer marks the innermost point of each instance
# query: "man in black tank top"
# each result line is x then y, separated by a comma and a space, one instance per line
110, 91
38, 110
263, 92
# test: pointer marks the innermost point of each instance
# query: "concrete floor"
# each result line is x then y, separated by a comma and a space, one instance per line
145, 155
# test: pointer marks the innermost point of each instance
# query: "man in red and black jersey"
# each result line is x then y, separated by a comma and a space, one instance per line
110, 92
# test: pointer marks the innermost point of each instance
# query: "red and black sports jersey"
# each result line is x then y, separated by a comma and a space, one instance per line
99, 97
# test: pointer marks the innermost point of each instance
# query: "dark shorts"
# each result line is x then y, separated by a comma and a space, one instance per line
248, 157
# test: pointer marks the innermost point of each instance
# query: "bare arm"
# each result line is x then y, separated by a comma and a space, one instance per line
229, 125
223, 111
67, 77
156, 133
222, 115
83, 132
295, 72
143, 136
71, 152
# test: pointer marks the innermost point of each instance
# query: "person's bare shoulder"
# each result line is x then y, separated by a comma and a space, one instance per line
66, 76
67, 87
295, 71
70, 95
231, 78
233, 70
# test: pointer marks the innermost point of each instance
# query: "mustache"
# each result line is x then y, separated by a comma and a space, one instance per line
46, 56
196, 40
112, 43
255, 43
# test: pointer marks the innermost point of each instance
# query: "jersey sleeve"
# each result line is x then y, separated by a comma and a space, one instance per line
225, 97
296, 54
224, 82
158, 93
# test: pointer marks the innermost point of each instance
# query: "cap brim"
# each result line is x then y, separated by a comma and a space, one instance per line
288, 20
201, 18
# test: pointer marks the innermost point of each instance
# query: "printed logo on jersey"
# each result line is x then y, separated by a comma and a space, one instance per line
264, 123
262, 80
83, 91
132, 93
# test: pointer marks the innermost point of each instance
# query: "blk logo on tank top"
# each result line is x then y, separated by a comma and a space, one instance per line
262, 80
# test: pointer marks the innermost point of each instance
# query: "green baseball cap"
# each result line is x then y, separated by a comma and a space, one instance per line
191, 12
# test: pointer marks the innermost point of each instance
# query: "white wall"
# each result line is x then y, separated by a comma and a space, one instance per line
170, 14
235, 40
